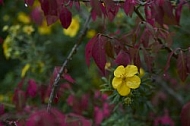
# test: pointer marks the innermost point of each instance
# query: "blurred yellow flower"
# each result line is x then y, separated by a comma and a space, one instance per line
44, 29
25, 69
141, 72
108, 65
73, 28
126, 79
28, 29
91, 33
7, 47
6, 17
14, 29
5, 28
24, 18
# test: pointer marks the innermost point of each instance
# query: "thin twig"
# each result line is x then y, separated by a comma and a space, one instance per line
169, 90
69, 57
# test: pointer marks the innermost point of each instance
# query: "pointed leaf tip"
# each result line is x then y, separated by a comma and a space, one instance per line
65, 17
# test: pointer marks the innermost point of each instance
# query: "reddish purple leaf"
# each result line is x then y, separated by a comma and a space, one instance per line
75, 120
2, 109
185, 115
178, 10
65, 17
45, 118
32, 88
19, 99
111, 9
129, 6
148, 15
29, 2
1, 2
148, 59
98, 54
123, 58
168, 61
188, 61
96, 8
36, 15
181, 66
88, 49
68, 78
109, 49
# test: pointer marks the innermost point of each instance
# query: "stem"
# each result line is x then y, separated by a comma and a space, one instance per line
69, 57
169, 90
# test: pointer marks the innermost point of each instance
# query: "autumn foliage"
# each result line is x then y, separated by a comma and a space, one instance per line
149, 45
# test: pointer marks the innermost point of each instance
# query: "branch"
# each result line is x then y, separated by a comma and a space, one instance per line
169, 90
69, 57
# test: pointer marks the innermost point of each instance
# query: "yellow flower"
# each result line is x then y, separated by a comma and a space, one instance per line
25, 69
6, 17
14, 29
91, 33
125, 79
108, 65
5, 28
73, 28
28, 29
7, 47
141, 72
44, 29
22, 17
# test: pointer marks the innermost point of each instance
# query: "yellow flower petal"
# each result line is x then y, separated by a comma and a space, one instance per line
120, 71
131, 70
133, 82
123, 90
73, 28
25, 69
116, 82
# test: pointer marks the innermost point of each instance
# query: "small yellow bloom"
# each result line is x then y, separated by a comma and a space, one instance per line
7, 47
28, 29
44, 29
14, 29
125, 79
108, 65
73, 28
6, 17
5, 28
25, 69
22, 17
141, 72
91, 33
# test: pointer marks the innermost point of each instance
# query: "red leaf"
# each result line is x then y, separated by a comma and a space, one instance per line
109, 49
111, 9
185, 115
181, 66
188, 61
168, 61
36, 15
45, 118
19, 99
148, 59
178, 10
123, 58
2, 109
1, 2
98, 54
65, 17
29, 2
96, 8
88, 49
129, 6
68, 78
32, 88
